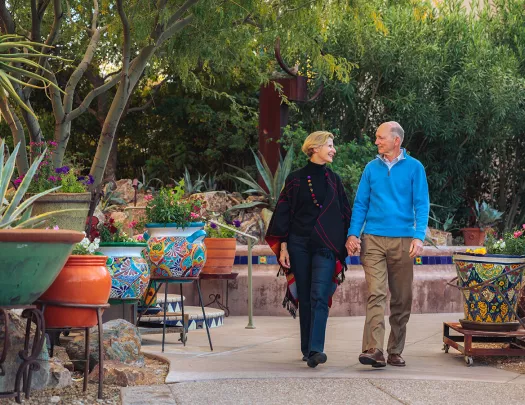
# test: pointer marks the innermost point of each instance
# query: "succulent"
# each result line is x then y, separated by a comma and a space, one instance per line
486, 215
17, 213
274, 181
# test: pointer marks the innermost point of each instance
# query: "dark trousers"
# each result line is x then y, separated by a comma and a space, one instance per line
313, 269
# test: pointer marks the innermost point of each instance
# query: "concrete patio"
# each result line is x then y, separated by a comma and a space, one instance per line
263, 365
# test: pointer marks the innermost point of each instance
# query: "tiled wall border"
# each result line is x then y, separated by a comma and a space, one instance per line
351, 260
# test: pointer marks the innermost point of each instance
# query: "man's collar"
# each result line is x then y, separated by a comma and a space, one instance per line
399, 157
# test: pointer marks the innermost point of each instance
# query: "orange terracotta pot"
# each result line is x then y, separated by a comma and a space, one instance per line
473, 236
220, 255
83, 280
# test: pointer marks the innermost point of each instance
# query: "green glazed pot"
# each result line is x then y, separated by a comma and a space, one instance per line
73, 220
31, 260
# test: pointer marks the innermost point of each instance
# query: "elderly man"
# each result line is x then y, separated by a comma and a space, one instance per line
392, 203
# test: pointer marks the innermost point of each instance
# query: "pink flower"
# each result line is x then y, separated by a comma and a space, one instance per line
56, 228
132, 224
517, 234
193, 215
148, 197
140, 237
523, 226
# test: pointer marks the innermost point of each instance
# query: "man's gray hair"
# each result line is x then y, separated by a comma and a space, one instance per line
397, 130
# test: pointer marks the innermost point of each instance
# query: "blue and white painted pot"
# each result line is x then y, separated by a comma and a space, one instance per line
129, 270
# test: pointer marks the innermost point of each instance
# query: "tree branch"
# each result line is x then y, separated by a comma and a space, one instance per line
146, 105
126, 47
75, 77
53, 33
90, 97
8, 25
171, 30
180, 12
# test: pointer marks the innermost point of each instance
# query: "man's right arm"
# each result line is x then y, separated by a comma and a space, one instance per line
361, 204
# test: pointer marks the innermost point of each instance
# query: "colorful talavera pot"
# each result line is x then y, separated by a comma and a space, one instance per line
128, 268
173, 253
485, 308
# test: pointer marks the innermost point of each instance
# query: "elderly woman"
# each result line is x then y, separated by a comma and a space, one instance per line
307, 232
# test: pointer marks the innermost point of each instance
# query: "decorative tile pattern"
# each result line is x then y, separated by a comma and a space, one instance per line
351, 260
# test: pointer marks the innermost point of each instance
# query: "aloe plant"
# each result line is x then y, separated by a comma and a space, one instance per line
17, 213
8, 68
274, 181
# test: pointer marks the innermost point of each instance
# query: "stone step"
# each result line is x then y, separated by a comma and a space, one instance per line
214, 316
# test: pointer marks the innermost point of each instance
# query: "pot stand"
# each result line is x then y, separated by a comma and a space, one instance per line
133, 302
216, 298
98, 309
463, 344
30, 362
180, 281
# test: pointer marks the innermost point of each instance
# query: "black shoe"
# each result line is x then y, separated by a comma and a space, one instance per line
315, 359
305, 358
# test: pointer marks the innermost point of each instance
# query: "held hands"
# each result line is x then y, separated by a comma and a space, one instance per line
353, 245
416, 248
284, 257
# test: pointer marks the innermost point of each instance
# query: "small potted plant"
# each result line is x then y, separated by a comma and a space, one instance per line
174, 234
221, 246
485, 216
84, 279
484, 307
72, 195
129, 270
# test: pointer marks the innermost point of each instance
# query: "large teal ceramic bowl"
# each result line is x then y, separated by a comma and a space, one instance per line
31, 259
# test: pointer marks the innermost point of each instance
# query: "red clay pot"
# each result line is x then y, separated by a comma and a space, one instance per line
473, 236
83, 280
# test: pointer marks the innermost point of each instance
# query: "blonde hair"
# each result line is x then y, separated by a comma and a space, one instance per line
315, 140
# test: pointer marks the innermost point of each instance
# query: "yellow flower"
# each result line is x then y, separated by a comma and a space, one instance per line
478, 251
419, 260
262, 259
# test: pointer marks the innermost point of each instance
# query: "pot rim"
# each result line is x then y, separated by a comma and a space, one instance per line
41, 236
123, 244
489, 255
173, 225
96, 259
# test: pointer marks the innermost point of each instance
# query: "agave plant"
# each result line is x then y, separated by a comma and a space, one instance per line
486, 215
191, 186
8, 68
274, 181
17, 213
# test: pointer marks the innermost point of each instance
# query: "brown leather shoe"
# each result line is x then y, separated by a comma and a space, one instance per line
396, 360
372, 357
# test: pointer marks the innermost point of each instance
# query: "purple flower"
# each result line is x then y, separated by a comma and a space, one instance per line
63, 170
213, 225
86, 180
52, 178
237, 223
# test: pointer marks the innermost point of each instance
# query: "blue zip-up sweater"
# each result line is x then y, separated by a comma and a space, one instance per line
392, 202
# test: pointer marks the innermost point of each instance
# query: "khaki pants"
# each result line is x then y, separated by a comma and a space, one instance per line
387, 259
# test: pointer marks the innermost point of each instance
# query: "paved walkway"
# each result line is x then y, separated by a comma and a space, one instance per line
263, 366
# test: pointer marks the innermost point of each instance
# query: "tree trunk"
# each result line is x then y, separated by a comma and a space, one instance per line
22, 163
111, 167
